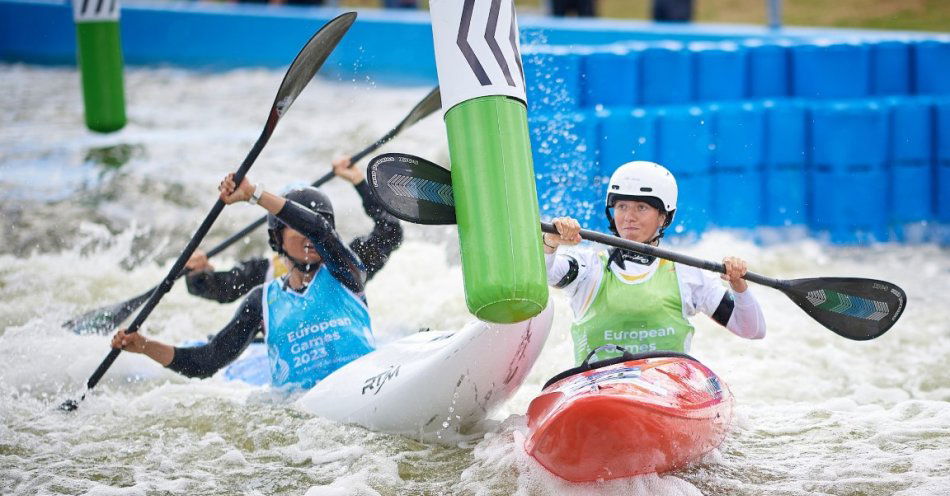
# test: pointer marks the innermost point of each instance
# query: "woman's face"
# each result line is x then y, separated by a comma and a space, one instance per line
299, 247
636, 220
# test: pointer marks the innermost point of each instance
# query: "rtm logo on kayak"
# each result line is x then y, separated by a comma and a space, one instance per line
376, 382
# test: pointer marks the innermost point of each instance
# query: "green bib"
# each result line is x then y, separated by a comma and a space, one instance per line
640, 316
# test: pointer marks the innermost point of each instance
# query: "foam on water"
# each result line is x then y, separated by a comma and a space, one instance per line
816, 414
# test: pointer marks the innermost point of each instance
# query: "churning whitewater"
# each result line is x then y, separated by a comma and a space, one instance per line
89, 220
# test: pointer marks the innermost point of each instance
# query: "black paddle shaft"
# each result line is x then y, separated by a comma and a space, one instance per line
301, 71
416, 190
107, 318
668, 255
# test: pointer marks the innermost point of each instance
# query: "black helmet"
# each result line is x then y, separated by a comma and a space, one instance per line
308, 197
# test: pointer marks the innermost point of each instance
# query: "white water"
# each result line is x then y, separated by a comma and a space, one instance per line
817, 414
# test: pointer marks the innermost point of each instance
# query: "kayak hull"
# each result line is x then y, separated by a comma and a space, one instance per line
434, 384
627, 419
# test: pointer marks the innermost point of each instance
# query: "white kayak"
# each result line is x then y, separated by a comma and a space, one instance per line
432, 383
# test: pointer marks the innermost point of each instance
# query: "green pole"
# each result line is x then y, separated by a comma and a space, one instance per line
483, 94
99, 54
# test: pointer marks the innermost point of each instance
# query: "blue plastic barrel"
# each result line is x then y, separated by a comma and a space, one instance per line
611, 78
849, 135
683, 146
719, 71
932, 61
666, 74
626, 134
786, 144
850, 205
890, 68
768, 69
849, 182
911, 160
738, 137
564, 148
942, 139
835, 70
552, 79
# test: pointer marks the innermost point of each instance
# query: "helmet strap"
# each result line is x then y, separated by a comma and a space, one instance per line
306, 268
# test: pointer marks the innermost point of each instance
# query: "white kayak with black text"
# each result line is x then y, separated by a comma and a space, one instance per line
432, 382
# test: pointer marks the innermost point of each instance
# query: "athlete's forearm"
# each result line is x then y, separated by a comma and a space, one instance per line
345, 266
158, 351
228, 286
224, 347
747, 319
374, 249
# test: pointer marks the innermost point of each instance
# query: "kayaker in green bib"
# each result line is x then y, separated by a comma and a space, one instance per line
641, 302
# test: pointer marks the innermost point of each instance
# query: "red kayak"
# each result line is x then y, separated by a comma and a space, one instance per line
632, 415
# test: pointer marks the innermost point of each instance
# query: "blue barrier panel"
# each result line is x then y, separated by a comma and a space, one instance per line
932, 60
719, 71
768, 69
553, 80
849, 135
611, 78
625, 135
839, 70
911, 159
786, 145
564, 148
665, 75
683, 146
849, 182
738, 136
943, 160
890, 68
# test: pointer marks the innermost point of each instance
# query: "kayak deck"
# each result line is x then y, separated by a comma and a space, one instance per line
630, 418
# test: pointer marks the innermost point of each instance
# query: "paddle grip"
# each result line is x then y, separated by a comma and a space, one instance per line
658, 252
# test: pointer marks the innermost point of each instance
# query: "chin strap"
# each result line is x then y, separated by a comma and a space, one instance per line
620, 256
306, 268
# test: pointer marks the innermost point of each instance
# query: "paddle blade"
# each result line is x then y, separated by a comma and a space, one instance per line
859, 309
104, 320
412, 188
309, 60
429, 104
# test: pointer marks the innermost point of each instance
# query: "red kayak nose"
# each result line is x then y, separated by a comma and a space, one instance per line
631, 418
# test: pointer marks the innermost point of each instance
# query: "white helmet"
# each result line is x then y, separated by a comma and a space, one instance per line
643, 181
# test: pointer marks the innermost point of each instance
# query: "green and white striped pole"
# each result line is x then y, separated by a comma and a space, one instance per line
483, 99
99, 53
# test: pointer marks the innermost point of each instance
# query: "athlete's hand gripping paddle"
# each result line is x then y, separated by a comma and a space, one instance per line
105, 319
301, 71
416, 190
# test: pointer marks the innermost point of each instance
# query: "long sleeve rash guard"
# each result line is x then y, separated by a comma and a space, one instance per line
230, 342
373, 250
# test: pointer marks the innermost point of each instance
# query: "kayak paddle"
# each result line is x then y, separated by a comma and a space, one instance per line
419, 191
301, 71
105, 319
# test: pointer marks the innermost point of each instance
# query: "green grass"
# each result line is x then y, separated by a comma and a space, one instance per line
922, 15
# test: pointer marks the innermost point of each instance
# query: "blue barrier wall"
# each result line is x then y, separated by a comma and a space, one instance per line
844, 132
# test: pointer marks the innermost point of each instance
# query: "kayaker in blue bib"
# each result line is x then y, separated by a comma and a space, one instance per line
637, 301
314, 318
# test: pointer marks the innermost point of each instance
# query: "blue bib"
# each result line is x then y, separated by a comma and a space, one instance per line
312, 334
